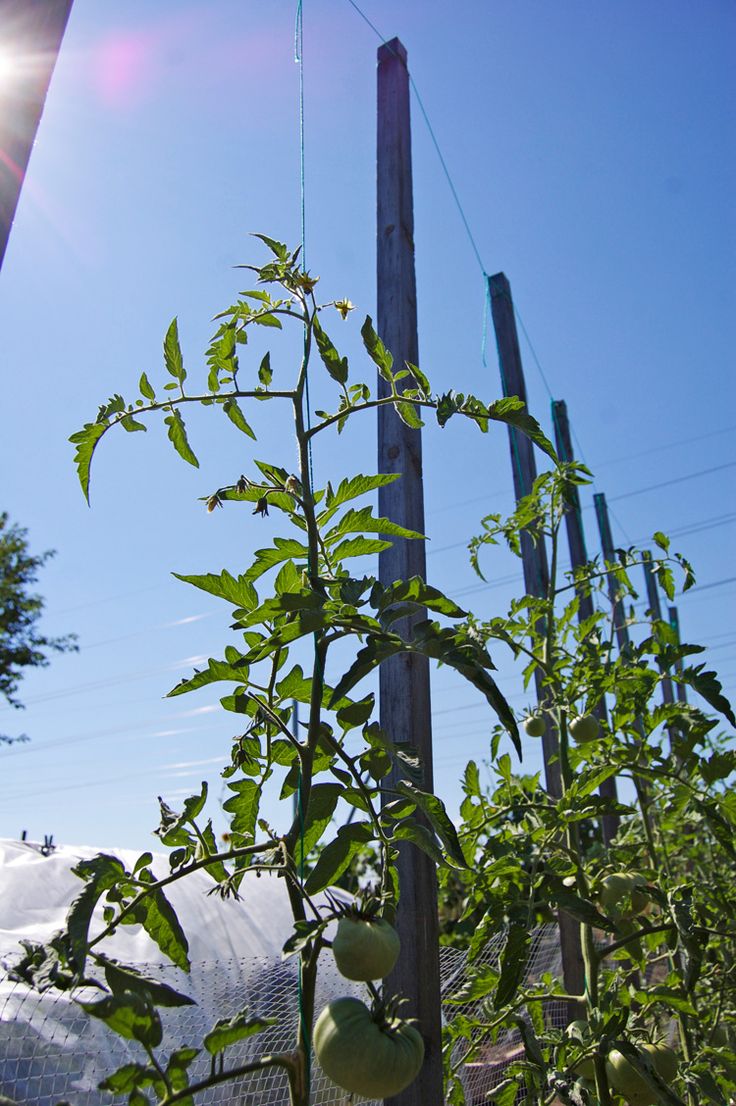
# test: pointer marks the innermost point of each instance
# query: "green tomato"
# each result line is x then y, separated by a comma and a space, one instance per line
585, 728
624, 894
535, 725
625, 1079
365, 948
363, 1055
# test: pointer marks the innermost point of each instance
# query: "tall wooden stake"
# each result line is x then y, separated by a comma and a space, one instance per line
604, 530
30, 34
404, 680
578, 558
655, 608
536, 574
674, 620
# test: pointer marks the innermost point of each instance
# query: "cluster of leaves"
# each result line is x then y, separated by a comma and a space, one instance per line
22, 645
313, 602
665, 971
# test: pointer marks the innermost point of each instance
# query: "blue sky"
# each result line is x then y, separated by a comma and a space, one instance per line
592, 148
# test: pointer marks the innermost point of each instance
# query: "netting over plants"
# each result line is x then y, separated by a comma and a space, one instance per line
51, 1051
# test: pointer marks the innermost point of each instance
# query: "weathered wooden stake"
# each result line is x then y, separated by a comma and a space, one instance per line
578, 558
674, 620
604, 529
536, 573
404, 680
655, 608
30, 33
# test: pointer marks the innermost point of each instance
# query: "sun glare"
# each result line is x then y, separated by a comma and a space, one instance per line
9, 69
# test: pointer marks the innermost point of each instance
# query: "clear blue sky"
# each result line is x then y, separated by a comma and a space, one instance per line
592, 146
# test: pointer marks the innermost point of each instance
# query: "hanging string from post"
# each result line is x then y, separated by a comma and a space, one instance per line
299, 59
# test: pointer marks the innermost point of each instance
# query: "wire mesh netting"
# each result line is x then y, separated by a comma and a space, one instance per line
52, 1051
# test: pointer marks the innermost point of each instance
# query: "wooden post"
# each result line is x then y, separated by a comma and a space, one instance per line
674, 620
578, 558
405, 710
604, 529
30, 37
656, 612
536, 576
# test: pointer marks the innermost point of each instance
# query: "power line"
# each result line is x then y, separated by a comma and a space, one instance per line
675, 480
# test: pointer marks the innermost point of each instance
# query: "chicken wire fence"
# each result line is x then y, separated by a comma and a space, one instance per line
51, 1051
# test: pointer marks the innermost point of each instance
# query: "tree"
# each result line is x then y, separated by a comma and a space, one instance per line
22, 645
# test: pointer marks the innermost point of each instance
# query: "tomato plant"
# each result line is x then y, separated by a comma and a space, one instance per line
656, 905
300, 595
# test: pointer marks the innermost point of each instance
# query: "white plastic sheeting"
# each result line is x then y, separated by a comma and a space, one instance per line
50, 1050
36, 892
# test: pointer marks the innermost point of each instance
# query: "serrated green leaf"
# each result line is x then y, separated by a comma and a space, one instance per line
283, 549
709, 686
434, 810
265, 372
336, 365
337, 856
238, 591
356, 714
100, 873
124, 977
159, 919
126, 1078
172, 353
227, 1031
358, 547
358, 486
278, 248
129, 1016
421, 837
407, 412
363, 521
513, 412
243, 807
178, 437
86, 442
320, 808
376, 350
237, 418
513, 962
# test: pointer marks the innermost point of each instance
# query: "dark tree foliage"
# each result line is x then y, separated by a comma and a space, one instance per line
21, 643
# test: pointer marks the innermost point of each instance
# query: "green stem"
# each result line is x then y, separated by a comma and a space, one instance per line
204, 862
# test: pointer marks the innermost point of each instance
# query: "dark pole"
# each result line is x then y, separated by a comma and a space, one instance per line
604, 529
655, 609
30, 33
579, 558
536, 577
674, 620
404, 680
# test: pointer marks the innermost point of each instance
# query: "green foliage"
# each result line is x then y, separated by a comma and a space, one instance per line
658, 960
299, 588
22, 645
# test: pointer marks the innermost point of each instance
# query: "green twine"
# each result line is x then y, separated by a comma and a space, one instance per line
299, 59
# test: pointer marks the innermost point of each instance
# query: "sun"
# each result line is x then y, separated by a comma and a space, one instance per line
9, 69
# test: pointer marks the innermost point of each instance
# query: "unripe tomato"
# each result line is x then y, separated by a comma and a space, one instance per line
624, 894
365, 948
626, 1079
585, 728
535, 725
363, 1055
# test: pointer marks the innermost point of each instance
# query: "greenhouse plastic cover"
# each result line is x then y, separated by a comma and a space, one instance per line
50, 1050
